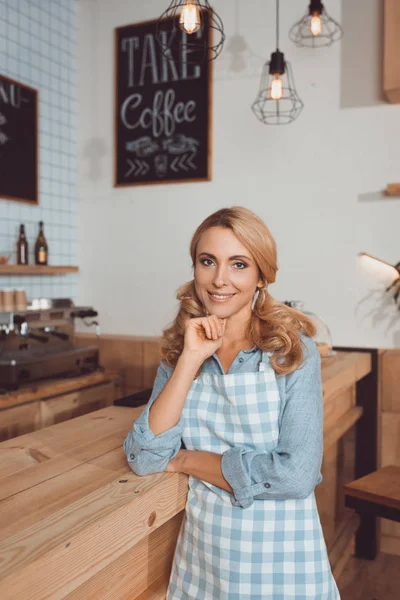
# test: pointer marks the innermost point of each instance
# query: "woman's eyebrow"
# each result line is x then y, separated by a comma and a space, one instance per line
236, 257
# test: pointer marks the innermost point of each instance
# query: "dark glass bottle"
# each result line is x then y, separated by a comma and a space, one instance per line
22, 247
41, 249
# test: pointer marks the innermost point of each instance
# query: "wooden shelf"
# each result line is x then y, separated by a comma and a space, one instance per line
36, 270
393, 189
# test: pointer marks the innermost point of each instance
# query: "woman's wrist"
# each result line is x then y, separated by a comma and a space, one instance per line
175, 465
191, 359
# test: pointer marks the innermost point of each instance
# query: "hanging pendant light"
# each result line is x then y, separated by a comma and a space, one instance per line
277, 102
389, 271
316, 29
190, 17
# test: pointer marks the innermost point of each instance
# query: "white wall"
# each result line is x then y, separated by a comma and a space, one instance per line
317, 182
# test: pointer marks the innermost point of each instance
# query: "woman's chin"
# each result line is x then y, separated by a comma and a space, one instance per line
217, 310
222, 312
225, 312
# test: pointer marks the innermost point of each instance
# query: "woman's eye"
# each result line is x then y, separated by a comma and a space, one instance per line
206, 261
239, 265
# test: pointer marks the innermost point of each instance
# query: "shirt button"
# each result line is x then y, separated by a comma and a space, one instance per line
267, 485
241, 359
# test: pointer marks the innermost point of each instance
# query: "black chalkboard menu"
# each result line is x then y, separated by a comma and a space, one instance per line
19, 151
162, 109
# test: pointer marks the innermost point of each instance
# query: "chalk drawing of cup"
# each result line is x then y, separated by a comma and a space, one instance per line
161, 165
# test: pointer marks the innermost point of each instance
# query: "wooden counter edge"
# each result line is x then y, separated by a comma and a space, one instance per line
153, 501
336, 378
50, 388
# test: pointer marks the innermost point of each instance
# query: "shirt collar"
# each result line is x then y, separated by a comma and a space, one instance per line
247, 351
251, 350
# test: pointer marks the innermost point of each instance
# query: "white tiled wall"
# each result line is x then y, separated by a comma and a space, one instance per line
38, 48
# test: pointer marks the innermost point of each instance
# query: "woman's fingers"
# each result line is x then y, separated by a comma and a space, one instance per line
223, 326
213, 327
207, 328
220, 325
217, 326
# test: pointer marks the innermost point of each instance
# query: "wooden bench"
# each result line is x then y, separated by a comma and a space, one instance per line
376, 495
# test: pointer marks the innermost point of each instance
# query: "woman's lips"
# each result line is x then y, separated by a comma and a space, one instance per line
221, 300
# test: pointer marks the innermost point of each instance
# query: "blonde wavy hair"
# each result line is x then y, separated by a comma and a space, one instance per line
273, 326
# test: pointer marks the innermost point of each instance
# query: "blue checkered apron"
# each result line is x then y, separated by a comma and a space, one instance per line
273, 549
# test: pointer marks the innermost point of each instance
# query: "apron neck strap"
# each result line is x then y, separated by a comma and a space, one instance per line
265, 362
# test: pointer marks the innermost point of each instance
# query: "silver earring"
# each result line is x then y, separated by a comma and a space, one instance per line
255, 298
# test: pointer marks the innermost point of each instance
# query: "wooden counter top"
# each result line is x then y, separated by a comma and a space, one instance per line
70, 505
72, 513
343, 369
48, 388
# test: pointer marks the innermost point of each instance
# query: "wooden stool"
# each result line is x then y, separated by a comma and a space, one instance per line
375, 495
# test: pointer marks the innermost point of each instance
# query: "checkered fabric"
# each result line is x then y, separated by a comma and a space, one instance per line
273, 549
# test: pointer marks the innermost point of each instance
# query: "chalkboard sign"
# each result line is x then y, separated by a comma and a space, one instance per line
18, 141
162, 108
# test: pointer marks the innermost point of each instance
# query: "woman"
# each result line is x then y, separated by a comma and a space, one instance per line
240, 385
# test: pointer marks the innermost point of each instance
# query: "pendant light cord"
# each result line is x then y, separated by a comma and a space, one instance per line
237, 17
277, 24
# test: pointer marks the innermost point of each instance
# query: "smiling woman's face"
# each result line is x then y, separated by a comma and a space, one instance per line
226, 275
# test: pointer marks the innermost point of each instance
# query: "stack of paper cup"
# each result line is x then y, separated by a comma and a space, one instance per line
13, 300
8, 300
20, 301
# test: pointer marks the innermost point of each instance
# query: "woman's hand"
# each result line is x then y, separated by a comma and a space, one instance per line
204, 336
174, 465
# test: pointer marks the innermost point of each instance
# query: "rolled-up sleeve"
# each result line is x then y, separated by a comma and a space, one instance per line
146, 452
292, 469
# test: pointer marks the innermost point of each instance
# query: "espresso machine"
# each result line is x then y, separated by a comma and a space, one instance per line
38, 343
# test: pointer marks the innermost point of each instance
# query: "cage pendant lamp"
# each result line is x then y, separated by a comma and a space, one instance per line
277, 102
316, 29
189, 20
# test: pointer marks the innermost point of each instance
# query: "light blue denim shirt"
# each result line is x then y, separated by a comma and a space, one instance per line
291, 470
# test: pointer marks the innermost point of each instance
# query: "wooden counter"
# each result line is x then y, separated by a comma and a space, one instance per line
76, 523
43, 403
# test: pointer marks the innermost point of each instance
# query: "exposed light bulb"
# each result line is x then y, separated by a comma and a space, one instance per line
190, 19
316, 25
276, 88
378, 267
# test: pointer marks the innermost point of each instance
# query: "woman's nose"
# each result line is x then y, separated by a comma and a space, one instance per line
220, 277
